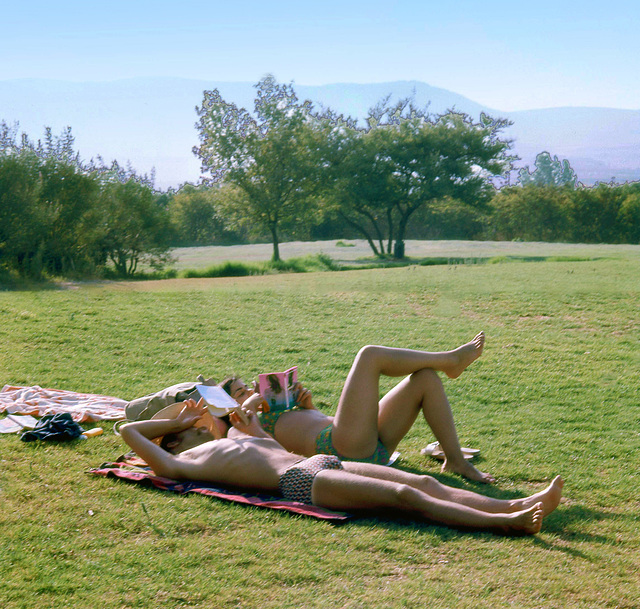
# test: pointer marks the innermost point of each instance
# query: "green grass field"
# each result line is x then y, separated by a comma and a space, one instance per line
556, 392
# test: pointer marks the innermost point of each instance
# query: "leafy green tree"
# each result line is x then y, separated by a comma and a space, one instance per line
605, 213
594, 214
531, 213
8, 139
362, 194
134, 227
22, 224
59, 215
548, 172
629, 215
269, 157
67, 201
405, 160
196, 217
450, 219
450, 156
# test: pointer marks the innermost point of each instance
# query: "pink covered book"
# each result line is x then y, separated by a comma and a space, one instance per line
277, 388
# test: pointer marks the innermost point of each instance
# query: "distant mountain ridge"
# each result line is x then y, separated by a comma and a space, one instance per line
150, 122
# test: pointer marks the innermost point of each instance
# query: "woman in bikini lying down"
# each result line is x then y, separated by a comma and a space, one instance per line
366, 428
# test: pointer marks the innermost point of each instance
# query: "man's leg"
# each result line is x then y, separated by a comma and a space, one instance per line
344, 490
549, 497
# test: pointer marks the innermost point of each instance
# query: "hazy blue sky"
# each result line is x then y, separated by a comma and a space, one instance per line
507, 55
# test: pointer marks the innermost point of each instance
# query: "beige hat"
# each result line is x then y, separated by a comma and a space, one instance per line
173, 410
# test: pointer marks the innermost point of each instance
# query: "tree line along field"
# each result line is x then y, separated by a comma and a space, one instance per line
289, 172
555, 392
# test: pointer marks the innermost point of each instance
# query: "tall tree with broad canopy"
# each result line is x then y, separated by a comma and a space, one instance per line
22, 223
269, 155
405, 159
46, 203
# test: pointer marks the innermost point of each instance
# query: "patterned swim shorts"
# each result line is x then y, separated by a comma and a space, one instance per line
297, 481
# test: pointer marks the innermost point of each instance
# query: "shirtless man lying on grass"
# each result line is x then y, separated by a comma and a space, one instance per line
248, 457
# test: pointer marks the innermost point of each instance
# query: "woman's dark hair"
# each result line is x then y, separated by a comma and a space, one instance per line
226, 384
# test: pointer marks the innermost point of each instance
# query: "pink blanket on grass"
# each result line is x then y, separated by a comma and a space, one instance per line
83, 407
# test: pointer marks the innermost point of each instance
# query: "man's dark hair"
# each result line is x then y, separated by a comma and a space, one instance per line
168, 439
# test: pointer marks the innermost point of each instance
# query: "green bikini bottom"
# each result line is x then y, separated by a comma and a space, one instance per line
269, 419
324, 446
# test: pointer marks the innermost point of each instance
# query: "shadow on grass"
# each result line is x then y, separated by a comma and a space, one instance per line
563, 525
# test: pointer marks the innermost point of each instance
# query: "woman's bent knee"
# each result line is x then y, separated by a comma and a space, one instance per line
368, 352
369, 357
426, 377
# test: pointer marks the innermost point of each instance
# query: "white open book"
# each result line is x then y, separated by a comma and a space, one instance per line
219, 402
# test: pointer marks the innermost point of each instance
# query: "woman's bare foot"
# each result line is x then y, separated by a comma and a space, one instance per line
526, 521
549, 497
464, 355
465, 469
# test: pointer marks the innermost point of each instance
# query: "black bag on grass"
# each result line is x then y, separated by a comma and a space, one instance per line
54, 427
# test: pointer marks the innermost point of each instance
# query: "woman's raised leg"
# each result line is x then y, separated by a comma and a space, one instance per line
357, 426
423, 391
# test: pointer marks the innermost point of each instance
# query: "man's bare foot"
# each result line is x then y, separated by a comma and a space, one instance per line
526, 521
549, 497
464, 355
466, 470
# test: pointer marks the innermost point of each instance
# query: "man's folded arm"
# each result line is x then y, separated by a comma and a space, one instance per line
139, 435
